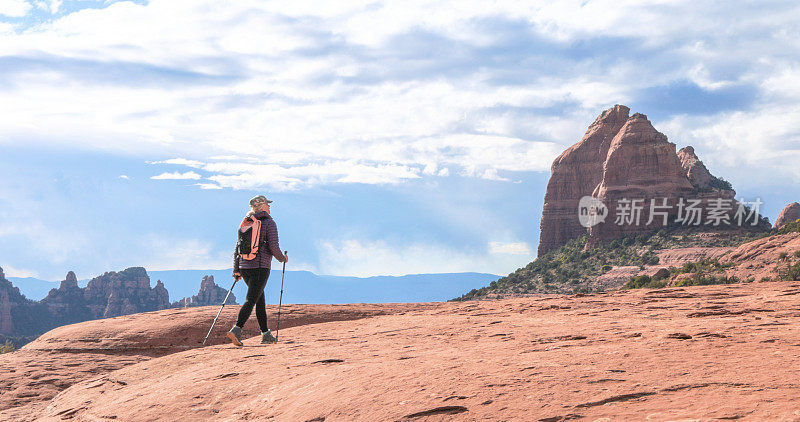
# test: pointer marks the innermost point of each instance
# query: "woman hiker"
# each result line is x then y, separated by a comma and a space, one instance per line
256, 271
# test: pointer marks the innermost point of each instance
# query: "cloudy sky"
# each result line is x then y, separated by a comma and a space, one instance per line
395, 137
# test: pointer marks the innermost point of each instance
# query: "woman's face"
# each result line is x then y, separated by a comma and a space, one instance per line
260, 206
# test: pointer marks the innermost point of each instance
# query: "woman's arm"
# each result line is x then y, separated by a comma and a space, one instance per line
272, 240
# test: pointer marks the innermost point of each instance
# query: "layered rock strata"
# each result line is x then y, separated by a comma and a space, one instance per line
624, 158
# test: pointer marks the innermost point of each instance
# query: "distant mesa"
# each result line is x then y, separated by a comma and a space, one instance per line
621, 156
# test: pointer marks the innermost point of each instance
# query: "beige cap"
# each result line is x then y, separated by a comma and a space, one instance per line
259, 199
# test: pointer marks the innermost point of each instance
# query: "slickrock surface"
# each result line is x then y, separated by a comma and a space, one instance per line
679, 256
700, 353
790, 213
762, 258
32, 376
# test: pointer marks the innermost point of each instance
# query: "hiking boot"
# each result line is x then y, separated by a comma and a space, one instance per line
268, 338
235, 334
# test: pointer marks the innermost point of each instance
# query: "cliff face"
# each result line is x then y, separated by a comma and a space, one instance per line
622, 157
67, 303
576, 173
112, 294
641, 164
6, 322
20, 316
124, 293
209, 294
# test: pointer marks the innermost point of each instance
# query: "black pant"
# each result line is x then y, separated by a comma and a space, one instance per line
256, 280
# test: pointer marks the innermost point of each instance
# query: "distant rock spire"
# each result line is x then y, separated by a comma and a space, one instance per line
70, 282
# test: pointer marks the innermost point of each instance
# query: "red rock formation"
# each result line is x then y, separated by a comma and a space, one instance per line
209, 294
695, 170
576, 173
623, 157
789, 214
123, 293
20, 316
641, 164
67, 303
111, 294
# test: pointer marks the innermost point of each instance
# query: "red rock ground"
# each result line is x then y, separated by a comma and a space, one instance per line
32, 376
699, 353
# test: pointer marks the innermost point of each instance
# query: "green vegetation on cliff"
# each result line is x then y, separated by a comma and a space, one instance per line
791, 227
575, 268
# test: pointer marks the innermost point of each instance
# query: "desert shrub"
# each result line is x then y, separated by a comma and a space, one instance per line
783, 255
797, 254
791, 272
701, 279
790, 227
720, 183
607, 268
637, 282
7, 347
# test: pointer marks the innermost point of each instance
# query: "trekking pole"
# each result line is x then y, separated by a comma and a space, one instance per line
280, 299
220, 310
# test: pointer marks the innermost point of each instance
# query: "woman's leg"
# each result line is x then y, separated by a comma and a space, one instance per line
255, 279
261, 306
250, 277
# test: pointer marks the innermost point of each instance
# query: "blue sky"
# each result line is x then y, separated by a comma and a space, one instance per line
395, 137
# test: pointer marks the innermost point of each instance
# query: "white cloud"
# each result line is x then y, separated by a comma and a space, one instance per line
357, 257
491, 174
51, 6
516, 248
19, 272
124, 177
752, 149
189, 175
180, 162
383, 92
14, 8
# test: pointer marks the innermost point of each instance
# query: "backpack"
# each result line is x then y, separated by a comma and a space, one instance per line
248, 235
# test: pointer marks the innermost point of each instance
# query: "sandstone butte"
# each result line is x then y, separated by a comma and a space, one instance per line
787, 215
621, 156
700, 353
